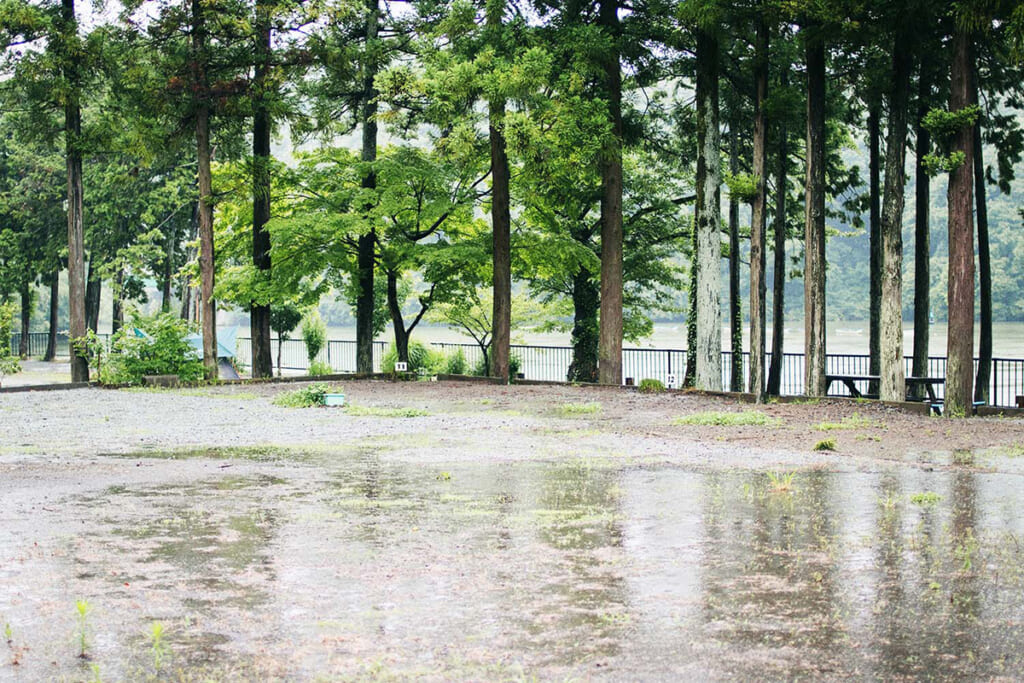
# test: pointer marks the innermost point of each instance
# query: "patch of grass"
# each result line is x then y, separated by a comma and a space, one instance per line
374, 411
926, 499
204, 393
825, 445
1011, 451
781, 482
725, 419
571, 409
650, 386
306, 397
855, 421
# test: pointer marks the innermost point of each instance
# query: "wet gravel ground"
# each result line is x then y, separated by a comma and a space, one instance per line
502, 533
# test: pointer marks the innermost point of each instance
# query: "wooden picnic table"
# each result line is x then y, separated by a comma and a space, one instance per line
929, 384
851, 383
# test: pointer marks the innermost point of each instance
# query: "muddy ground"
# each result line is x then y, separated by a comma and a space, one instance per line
456, 531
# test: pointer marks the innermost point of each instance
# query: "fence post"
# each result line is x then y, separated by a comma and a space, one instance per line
993, 400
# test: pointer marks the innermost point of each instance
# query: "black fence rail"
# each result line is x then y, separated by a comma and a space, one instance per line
551, 363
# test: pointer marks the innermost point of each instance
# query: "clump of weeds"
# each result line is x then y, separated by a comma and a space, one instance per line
83, 609
855, 421
729, 419
825, 445
927, 499
781, 482
573, 409
157, 646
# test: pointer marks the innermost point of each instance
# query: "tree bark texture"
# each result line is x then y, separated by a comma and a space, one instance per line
758, 218
922, 235
585, 305
51, 333
709, 243
874, 243
259, 318
814, 221
690, 373
168, 274
397, 322
205, 178
960, 202
892, 384
117, 316
779, 265
76, 240
735, 302
610, 343
501, 224
367, 243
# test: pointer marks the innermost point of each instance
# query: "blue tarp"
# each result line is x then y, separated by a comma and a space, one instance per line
225, 342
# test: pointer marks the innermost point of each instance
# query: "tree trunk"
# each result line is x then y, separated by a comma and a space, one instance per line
501, 222
168, 274
709, 242
259, 318
366, 247
814, 220
960, 200
874, 244
892, 385
51, 333
280, 345
735, 303
690, 374
610, 344
779, 265
205, 178
117, 317
758, 213
585, 305
397, 322
73, 156
93, 292
922, 236
982, 383
26, 320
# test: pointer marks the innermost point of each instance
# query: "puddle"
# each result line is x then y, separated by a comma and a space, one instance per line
368, 567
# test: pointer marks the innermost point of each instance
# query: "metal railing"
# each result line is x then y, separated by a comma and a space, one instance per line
551, 363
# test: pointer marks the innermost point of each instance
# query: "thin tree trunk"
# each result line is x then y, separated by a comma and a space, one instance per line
73, 156
774, 387
190, 254
758, 213
51, 333
367, 243
960, 292
585, 306
735, 303
690, 375
814, 269
709, 243
117, 317
892, 385
501, 221
397, 322
168, 274
982, 383
874, 244
610, 344
93, 292
922, 235
26, 319
259, 316
205, 178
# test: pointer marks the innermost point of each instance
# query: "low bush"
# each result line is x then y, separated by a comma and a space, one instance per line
9, 363
650, 386
314, 334
306, 397
318, 368
825, 445
421, 359
155, 345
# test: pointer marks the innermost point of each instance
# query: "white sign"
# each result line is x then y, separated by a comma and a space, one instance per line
401, 367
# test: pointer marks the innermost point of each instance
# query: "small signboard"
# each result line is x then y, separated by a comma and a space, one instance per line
401, 366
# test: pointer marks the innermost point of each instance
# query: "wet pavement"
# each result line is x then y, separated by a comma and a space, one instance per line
375, 560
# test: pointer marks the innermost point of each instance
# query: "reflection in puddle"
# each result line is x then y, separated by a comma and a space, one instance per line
367, 567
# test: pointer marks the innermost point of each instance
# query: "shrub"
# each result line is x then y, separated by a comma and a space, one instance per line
420, 358
9, 363
306, 397
317, 368
455, 363
161, 349
650, 386
515, 365
314, 333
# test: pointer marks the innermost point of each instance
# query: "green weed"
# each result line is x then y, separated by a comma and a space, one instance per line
926, 499
650, 386
855, 421
825, 445
728, 419
781, 482
571, 409
306, 397
83, 609
373, 411
157, 646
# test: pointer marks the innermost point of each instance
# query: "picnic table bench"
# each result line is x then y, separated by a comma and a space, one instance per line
851, 383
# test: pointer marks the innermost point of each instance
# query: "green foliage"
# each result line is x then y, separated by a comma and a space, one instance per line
305, 397
9, 363
926, 499
742, 186
455, 363
944, 124
160, 349
318, 368
726, 419
855, 421
374, 411
314, 334
576, 409
649, 385
82, 611
284, 319
825, 445
420, 358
